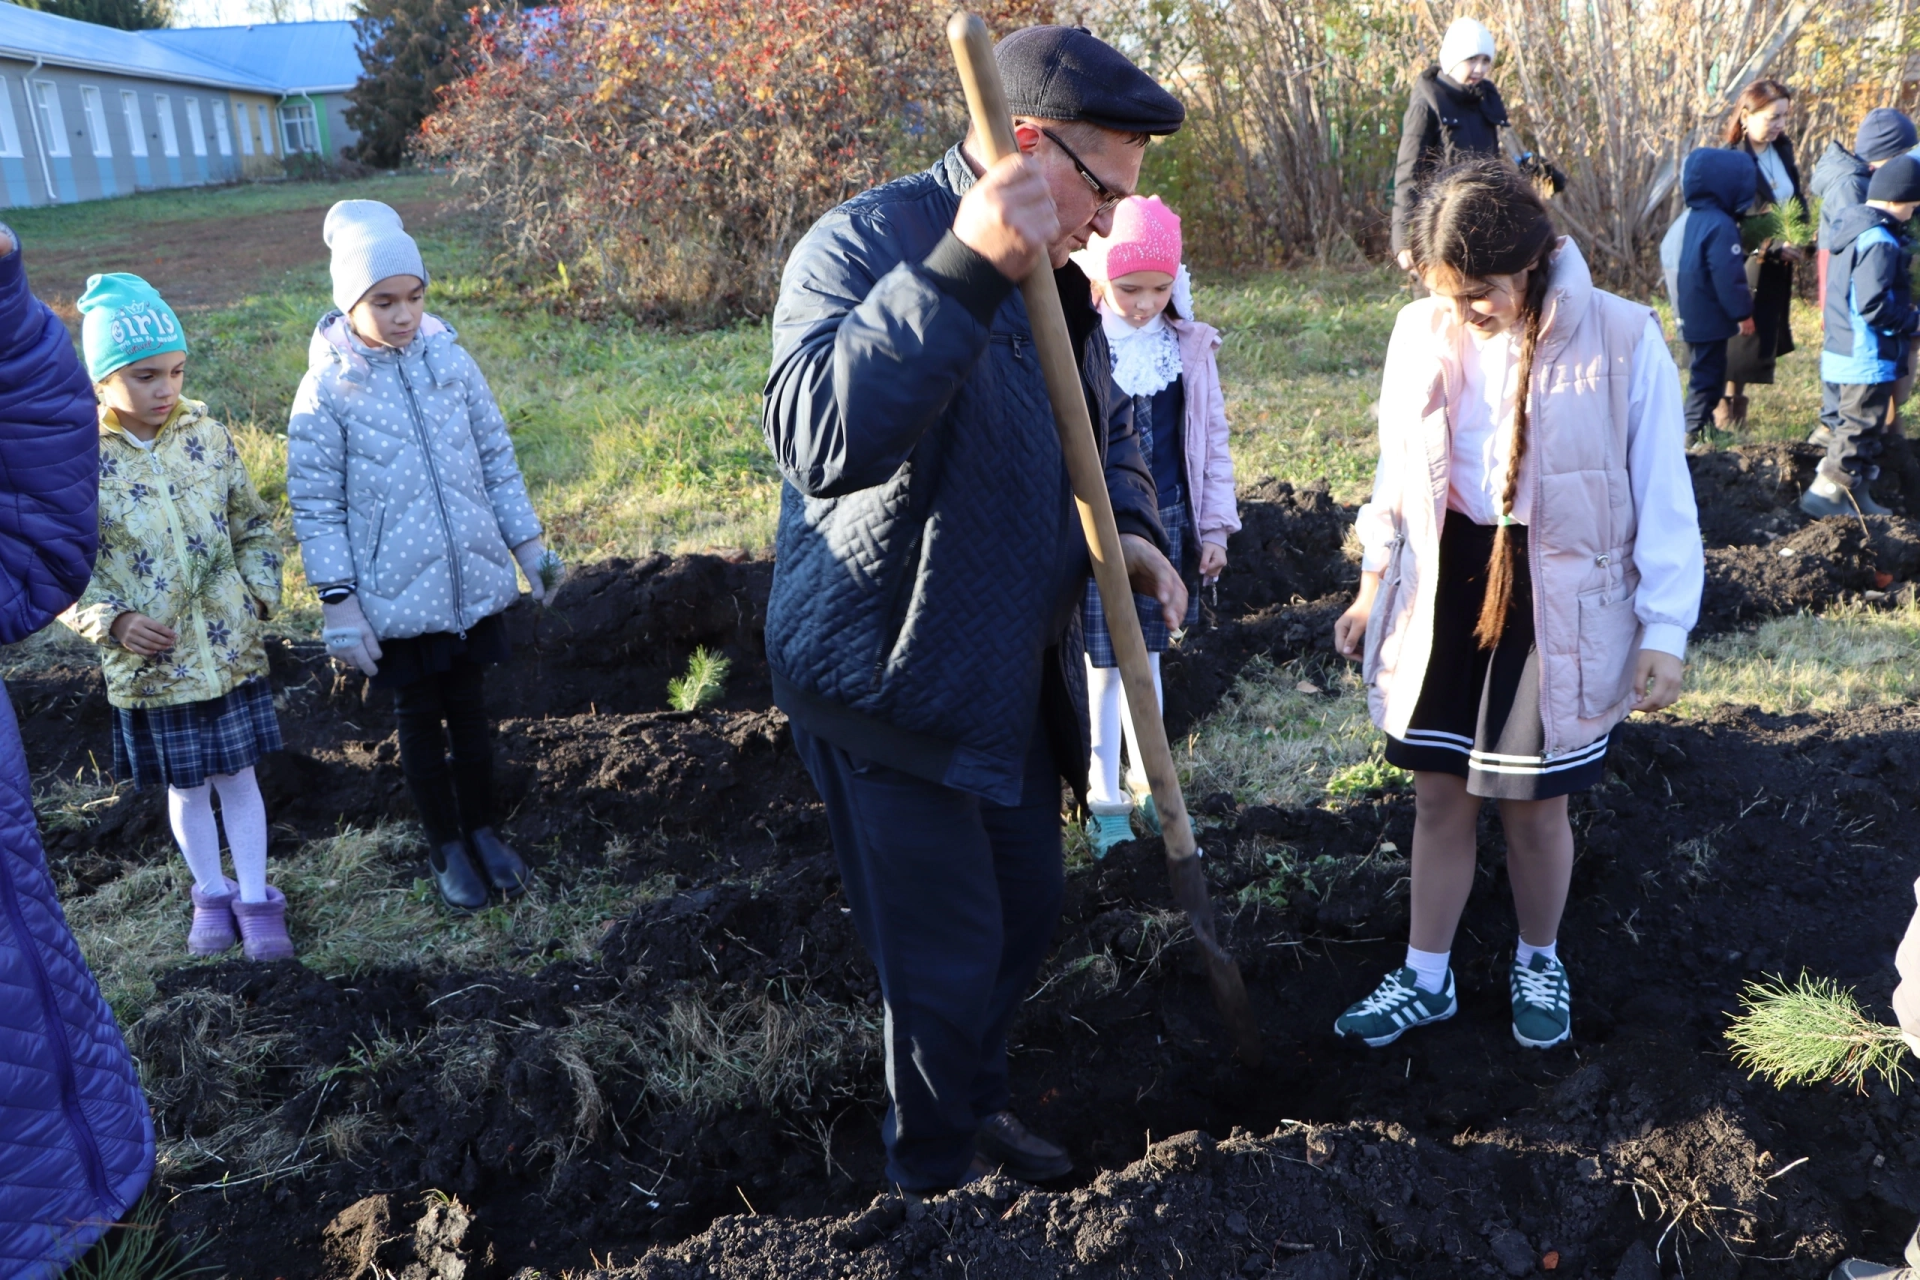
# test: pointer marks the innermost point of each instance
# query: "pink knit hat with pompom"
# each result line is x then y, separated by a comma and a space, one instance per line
1146, 237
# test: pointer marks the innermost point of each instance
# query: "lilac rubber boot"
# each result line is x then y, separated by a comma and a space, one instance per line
263, 927
213, 924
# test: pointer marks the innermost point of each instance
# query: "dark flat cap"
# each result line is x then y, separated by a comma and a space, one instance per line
1064, 73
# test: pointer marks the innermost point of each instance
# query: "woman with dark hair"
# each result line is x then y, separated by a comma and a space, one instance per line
1532, 566
1758, 126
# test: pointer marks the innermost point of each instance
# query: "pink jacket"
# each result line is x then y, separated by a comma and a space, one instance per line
1210, 496
1583, 521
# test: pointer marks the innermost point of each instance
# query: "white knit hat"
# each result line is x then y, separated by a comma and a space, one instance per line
1466, 38
369, 244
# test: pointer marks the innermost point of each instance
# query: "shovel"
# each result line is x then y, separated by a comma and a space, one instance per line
993, 122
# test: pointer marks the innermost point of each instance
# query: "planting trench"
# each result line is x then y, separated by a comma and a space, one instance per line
695, 1093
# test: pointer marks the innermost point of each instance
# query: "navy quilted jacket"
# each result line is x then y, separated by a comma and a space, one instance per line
76, 1142
928, 555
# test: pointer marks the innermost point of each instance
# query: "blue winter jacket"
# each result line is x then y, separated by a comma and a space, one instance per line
928, 559
1839, 183
76, 1142
1870, 313
1714, 298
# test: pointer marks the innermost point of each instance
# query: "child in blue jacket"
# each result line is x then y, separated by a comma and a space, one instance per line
1870, 320
1714, 302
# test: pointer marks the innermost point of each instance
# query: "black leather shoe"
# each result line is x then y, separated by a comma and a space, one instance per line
460, 885
504, 868
1020, 1152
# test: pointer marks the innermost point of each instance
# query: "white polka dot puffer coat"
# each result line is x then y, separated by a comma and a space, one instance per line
403, 481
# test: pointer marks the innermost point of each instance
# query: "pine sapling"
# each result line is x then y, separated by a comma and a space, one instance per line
549, 569
705, 679
1811, 1032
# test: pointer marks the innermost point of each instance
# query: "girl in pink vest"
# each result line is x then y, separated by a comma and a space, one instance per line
1532, 568
1164, 360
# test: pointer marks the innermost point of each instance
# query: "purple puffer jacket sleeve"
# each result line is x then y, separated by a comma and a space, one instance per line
76, 1140
49, 462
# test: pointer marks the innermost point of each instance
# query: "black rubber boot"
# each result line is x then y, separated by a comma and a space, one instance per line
506, 871
460, 885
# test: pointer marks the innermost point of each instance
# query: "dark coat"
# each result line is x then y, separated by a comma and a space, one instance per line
1751, 356
1839, 182
76, 1142
1444, 123
928, 558
1714, 297
1870, 316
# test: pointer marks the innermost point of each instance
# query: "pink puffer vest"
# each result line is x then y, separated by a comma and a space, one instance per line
1580, 539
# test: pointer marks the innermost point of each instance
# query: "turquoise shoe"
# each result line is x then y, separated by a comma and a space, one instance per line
1396, 1006
1105, 830
1151, 814
1542, 1004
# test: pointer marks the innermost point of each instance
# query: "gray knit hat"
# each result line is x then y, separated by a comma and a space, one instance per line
368, 244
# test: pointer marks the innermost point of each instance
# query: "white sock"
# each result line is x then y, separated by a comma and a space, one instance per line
190, 812
1429, 969
1524, 954
1104, 699
1136, 771
244, 814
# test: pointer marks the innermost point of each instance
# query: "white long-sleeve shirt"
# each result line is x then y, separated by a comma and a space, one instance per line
1667, 548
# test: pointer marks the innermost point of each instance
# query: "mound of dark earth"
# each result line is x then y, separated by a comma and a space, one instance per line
469, 1125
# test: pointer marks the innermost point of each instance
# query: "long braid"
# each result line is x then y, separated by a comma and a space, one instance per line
1500, 565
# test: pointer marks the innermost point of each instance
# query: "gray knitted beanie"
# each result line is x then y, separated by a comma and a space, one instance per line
368, 244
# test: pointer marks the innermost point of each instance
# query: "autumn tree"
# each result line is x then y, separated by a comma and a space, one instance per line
128, 15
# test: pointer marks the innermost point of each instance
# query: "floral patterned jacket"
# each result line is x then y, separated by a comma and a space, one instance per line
186, 540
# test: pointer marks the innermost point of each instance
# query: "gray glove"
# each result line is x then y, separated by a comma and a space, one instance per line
349, 635
543, 569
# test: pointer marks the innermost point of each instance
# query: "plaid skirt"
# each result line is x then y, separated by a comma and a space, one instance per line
1093, 615
183, 746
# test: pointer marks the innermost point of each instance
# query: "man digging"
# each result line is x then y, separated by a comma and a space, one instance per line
923, 628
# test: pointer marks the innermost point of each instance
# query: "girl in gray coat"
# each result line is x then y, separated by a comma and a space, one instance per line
411, 514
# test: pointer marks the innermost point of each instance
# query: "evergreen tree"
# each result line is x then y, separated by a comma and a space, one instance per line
128, 15
408, 50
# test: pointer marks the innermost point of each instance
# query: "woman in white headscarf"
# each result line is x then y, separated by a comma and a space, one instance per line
1455, 113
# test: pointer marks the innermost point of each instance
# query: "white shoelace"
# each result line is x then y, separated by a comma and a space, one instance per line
1388, 997
1541, 988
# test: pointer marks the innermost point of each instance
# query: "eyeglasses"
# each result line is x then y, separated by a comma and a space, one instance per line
1108, 197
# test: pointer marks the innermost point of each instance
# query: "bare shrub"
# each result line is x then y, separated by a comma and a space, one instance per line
665, 155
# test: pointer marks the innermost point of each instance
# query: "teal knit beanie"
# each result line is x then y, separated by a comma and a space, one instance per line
124, 319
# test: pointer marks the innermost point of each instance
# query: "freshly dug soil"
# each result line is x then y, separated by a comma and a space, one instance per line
466, 1125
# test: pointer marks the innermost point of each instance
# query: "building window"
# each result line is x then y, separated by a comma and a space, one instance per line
9, 131
96, 114
196, 131
299, 131
169, 135
245, 127
220, 127
46, 105
136, 127
266, 129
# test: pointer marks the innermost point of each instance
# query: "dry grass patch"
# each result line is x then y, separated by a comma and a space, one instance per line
1852, 656
1274, 742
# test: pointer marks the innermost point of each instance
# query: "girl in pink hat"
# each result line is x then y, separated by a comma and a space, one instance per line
1164, 359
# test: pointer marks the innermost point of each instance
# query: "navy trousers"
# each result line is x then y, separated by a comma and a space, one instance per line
1706, 382
956, 902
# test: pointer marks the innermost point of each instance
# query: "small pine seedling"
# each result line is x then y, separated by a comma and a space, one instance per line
1811, 1032
705, 679
549, 568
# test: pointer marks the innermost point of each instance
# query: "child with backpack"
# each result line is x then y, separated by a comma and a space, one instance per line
1164, 360
411, 514
1713, 301
1870, 323
1532, 566
189, 566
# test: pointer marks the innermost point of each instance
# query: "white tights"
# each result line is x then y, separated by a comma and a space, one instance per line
190, 810
1107, 704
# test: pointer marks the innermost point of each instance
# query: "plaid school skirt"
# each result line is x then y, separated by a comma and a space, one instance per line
183, 746
1093, 615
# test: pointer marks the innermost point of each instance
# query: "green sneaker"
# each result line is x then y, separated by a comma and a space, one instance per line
1105, 830
1542, 1012
1396, 1005
1151, 815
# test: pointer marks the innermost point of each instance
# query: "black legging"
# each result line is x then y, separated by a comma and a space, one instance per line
457, 800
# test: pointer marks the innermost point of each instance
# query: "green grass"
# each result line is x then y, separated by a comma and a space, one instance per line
1851, 656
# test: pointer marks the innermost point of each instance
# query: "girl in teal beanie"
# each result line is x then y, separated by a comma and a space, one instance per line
189, 567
